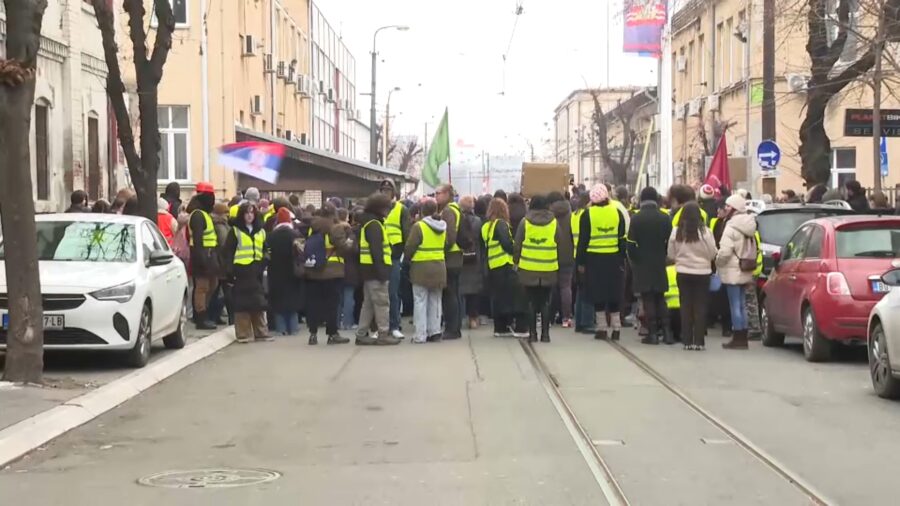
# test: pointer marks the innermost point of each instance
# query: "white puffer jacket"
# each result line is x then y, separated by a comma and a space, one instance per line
734, 241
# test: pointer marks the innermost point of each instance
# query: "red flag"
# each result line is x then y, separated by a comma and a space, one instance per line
718, 175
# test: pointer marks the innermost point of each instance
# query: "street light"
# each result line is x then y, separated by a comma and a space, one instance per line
373, 145
387, 125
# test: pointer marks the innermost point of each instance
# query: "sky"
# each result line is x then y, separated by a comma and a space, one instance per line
452, 56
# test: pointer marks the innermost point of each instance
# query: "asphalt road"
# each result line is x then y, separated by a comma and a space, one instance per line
469, 422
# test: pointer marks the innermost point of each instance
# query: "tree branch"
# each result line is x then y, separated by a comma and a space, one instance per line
165, 25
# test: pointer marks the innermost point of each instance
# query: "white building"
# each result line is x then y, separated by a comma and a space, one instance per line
70, 125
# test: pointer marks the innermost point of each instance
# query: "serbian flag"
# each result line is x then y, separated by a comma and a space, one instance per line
719, 175
261, 160
643, 26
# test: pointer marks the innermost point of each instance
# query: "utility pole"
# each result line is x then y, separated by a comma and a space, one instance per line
768, 105
876, 100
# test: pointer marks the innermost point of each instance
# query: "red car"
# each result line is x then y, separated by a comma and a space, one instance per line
826, 281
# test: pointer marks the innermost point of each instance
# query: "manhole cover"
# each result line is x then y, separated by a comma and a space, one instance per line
210, 478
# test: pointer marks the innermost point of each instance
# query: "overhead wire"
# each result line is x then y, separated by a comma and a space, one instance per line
518, 12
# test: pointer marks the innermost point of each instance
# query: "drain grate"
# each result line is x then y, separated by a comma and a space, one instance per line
210, 478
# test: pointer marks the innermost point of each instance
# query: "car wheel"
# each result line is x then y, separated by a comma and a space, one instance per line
140, 354
175, 340
769, 336
883, 380
816, 348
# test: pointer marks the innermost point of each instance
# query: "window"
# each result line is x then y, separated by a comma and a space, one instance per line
814, 248
701, 47
84, 241
843, 166
179, 9
148, 245
174, 157
744, 30
42, 150
796, 247
691, 68
720, 52
868, 241
730, 37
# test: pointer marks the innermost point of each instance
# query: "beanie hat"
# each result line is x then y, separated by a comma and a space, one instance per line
284, 216
162, 204
252, 194
599, 193
649, 194
707, 192
737, 203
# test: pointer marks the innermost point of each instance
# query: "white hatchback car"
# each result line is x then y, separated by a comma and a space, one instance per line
884, 339
109, 282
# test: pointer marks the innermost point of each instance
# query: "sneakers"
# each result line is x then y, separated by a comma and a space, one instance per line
473, 323
688, 347
396, 334
313, 340
567, 323
337, 339
650, 339
434, 338
505, 333
387, 341
244, 340
366, 340
520, 335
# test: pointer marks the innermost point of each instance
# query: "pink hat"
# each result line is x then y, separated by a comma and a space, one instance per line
707, 192
599, 193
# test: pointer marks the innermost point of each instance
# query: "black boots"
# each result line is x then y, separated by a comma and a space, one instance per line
668, 338
652, 336
201, 322
738, 341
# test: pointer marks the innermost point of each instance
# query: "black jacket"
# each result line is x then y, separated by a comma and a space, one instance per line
285, 289
647, 239
248, 293
204, 261
377, 270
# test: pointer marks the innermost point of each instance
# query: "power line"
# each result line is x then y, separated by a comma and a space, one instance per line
518, 12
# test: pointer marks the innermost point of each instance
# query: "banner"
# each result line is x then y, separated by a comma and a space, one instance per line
644, 24
261, 160
719, 176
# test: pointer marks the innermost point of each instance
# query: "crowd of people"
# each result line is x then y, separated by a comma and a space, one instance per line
672, 265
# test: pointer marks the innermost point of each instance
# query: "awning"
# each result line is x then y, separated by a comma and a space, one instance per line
305, 168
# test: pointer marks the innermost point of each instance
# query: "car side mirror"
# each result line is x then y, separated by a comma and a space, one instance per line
891, 277
158, 258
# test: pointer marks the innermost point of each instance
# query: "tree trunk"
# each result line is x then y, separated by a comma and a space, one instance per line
25, 337
815, 146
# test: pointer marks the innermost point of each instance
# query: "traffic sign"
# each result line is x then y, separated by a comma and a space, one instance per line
884, 158
768, 154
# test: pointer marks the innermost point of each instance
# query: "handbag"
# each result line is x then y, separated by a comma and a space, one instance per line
747, 258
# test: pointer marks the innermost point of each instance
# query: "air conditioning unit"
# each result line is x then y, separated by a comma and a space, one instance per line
679, 111
331, 94
303, 139
291, 75
303, 84
249, 48
321, 88
712, 102
681, 64
351, 114
694, 107
797, 83
678, 168
256, 105
280, 70
289, 135
268, 65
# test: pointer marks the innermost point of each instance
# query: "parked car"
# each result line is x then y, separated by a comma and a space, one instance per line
884, 337
108, 282
826, 280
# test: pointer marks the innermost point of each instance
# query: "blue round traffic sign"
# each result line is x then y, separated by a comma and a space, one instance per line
768, 154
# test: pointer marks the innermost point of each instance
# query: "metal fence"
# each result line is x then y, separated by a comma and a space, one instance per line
892, 194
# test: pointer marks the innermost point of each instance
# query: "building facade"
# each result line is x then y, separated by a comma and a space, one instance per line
70, 122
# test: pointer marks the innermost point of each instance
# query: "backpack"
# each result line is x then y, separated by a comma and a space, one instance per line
298, 254
466, 235
747, 255
316, 257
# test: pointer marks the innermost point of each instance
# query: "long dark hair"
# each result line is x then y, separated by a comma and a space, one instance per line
690, 224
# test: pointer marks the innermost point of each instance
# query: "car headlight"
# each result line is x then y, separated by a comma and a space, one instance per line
119, 293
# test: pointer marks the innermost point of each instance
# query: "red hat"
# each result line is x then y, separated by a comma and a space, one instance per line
284, 216
204, 187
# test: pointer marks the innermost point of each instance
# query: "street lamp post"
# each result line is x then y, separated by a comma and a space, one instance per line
373, 143
387, 126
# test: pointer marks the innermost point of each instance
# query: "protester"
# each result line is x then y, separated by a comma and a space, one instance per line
244, 256
324, 280
584, 309
375, 273
425, 250
500, 194
736, 261
166, 223
879, 202
517, 209
79, 202
504, 285
692, 248
562, 211
132, 207
600, 258
856, 196
816, 193
471, 278
204, 247
101, 207
285, 287
650, 230
537, 258
708, 202
451, 215
172, 196
397, 224
346, 300
221, 297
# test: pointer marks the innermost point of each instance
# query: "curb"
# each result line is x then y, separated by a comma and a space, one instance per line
23, 437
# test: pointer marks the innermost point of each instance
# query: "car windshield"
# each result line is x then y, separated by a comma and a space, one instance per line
777, 228
869, 242
83, 241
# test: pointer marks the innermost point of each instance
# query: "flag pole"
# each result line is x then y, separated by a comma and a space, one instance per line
449, 164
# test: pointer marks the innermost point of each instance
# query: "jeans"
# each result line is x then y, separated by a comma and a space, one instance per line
376, 305
286, 323
346, 307
451, 303
737, 300
394, 288
584, 312
427, 312
693, 292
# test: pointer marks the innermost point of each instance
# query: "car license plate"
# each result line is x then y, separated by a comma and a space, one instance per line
51, 321
880, 287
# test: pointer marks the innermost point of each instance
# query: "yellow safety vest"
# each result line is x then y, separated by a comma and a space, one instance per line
497, 257
210, 239
673, 300
392, 223
330, 253
604, 229
455, 208
677, 217
539, 248
249, 248
269, 214
576, 227
233, 211
759, 255
365, 255
432, 247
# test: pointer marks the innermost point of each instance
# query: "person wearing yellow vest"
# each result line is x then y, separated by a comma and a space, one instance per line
496, 238
562, 210
584, 309
692, 248
537, 259
204, 246
397, 224
601, 260
452, 215
324, 283
427, 272
647, 237
244, 253
375, 272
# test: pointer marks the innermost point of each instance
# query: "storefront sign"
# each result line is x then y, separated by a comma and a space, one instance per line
858, 123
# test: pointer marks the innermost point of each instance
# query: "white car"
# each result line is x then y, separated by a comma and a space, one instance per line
109, 282
884, 339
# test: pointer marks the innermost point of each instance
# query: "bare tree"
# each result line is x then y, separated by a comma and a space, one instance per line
619, 164
405, 154
25, 336
143, 166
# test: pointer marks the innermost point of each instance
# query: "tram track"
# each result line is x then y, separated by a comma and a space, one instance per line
603, 473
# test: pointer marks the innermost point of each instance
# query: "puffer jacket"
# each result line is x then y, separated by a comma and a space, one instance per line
338, 233
738, 230
431, 275
566, 246
535, 278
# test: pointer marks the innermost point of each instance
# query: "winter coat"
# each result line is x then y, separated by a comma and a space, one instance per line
351, 258
377, 270
454, 259
285, 289
562, 210
471, 279
693, 257
738, 230
647, 237
859, 203
431, 275
337, 233
538, 217
710, 207
604, 278
507, 296
248, 293
204, 261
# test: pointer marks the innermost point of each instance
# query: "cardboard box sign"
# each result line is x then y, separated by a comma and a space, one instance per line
543, 178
